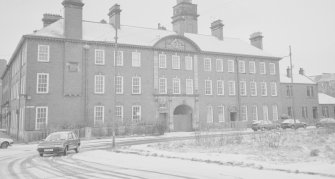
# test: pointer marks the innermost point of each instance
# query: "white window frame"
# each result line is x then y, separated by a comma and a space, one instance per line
241, 66
252, 67
38, 83
243, 88
119, 112
231, 88
253, 88
119, 59
265, 112
221, 117
136, 59
41, 54
133, 86
207, 64
188, 63
99, 57
175, 62
162, 60
208, 87
231, 66
264, 90
254, 112
210, 114
274, 112
220, 87
97, 114
219, 65
272, 68
262, 68
189, 86
99, 84
176, 86
162, 86
274, 91
244, 113
37, 125
139, 113
119, 84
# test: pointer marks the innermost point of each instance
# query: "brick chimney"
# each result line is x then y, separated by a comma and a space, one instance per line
217, 29
301, 71
50, 18
114, 16
256, 40
73, 19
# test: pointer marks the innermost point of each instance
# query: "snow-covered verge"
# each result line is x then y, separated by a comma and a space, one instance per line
311, 152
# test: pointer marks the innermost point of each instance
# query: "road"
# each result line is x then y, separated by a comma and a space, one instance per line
96, 161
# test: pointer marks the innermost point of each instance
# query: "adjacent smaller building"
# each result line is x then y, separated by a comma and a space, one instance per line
326, 83
300, 97
327, 106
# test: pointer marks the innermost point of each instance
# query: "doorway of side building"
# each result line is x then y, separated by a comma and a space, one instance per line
182, 118
233, 119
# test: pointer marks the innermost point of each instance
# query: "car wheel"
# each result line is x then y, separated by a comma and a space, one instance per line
77, 149
41, 154
4, 145
305, 126
65, 151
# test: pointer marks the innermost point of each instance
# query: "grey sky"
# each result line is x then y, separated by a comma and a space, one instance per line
307, 25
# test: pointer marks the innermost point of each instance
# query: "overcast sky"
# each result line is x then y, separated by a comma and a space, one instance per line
307, 25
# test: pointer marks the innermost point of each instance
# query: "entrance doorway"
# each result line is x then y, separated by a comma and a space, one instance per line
182, 118
233, 119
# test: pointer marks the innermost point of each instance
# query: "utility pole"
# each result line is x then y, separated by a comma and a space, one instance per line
292, 93
238, 91
115, 62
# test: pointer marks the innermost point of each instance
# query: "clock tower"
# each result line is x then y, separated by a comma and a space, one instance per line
185, 17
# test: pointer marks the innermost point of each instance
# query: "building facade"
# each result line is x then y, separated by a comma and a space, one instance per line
327, 106
326, 83
300, 98
72, 73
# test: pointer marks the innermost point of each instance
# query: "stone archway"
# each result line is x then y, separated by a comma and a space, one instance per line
182, 118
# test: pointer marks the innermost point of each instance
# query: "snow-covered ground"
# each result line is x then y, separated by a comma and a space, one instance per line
293, 154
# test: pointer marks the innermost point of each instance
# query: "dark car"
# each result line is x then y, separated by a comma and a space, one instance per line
264, 125
326, 122
289, 123
5, 142
59, 143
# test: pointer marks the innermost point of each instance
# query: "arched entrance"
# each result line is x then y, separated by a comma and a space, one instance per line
182, 118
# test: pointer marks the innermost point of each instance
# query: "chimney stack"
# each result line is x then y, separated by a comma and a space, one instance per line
73, 19
256, 40
288, 72
50, 18
114, 16
301, 71
217, 29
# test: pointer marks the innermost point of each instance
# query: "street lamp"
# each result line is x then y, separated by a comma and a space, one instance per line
291, 89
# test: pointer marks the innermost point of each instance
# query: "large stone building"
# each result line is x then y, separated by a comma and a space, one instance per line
65, 75
299, 97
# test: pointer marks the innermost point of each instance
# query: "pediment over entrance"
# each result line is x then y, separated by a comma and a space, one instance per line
177, 42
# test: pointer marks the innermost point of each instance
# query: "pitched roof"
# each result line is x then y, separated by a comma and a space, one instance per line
94, 31
297, 79
325, 99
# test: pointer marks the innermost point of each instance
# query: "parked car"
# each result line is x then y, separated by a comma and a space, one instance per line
5, 142
326, 122
264, 125
289, 123
59, 143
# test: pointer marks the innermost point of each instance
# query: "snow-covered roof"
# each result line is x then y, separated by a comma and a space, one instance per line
325, 99
102, 32
297, 78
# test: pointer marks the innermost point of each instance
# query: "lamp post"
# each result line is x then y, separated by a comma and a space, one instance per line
115, 62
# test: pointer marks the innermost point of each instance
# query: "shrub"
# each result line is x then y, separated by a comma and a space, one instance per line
314, 152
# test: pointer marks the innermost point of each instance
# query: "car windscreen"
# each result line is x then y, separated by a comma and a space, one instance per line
57, 136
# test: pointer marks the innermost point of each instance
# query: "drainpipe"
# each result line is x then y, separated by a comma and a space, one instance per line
238, 97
